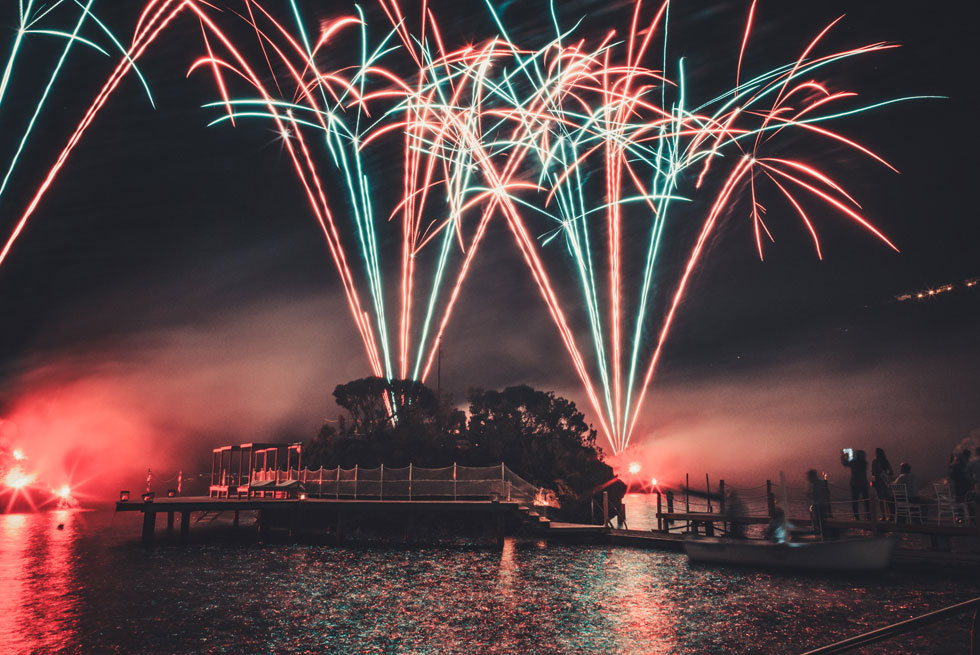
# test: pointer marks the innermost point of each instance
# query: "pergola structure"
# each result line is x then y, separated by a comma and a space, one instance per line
255, 469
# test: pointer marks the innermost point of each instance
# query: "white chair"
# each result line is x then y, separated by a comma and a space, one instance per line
904, 508
946, 505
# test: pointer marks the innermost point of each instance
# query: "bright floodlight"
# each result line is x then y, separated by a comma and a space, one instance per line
634, 467
65, 491
18, 454
653, 481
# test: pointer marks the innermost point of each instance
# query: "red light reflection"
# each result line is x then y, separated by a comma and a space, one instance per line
36, 570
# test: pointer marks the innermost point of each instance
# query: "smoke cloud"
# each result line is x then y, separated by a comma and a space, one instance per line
156, 383
798, 413
161, 399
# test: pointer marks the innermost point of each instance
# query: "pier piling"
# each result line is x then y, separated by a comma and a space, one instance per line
339, 532
725, 528
687, 498
149, 525
498, 523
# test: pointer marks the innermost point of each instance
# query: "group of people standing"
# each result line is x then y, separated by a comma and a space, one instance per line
964, 480
882, 477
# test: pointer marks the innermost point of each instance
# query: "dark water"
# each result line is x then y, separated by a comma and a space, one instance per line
90, 588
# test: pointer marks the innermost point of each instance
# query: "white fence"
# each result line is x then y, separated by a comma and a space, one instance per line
409, 483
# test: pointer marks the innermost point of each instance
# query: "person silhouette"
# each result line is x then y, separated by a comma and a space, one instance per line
859, 481
881, 479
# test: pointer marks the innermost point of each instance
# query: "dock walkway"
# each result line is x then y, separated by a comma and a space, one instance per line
504, 516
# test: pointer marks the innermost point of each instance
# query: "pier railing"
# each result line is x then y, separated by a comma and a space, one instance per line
710, 511
929, 505
407, 483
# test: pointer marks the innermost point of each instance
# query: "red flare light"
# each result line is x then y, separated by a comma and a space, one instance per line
634, 467
18, 454
64, 492
17, 479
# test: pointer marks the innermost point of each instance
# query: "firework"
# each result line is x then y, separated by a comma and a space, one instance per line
34, 19
477, 122
335, 120
578, 110
602, 110
573, 143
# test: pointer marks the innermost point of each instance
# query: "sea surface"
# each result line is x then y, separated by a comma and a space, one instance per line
89, 587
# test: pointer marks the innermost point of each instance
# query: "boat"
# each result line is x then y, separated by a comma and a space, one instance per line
863, 554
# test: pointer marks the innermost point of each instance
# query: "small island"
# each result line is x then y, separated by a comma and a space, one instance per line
542, 437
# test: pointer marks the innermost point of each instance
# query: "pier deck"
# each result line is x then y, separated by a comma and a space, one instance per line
206, 504
502, 515
514, 517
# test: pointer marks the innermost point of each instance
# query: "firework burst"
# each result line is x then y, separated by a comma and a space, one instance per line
579, 144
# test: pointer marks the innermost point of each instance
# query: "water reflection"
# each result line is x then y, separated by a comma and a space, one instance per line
37, 599
648, 614
508, 569
90, 588
13, 580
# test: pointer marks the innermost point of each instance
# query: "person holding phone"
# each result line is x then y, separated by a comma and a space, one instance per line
857, 461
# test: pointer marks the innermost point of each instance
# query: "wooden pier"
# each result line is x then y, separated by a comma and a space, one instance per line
267, 479
297, 516
711, 522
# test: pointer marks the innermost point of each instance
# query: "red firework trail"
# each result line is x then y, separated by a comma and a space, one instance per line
486, 146
147, 30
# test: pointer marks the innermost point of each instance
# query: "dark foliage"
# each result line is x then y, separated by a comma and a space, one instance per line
541, 436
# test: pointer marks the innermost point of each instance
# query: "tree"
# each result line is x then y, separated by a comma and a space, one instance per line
364, 401
375, 404
320, 450
543, 437
390, 422
535, 431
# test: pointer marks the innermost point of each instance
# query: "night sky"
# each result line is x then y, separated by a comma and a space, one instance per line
173, 291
